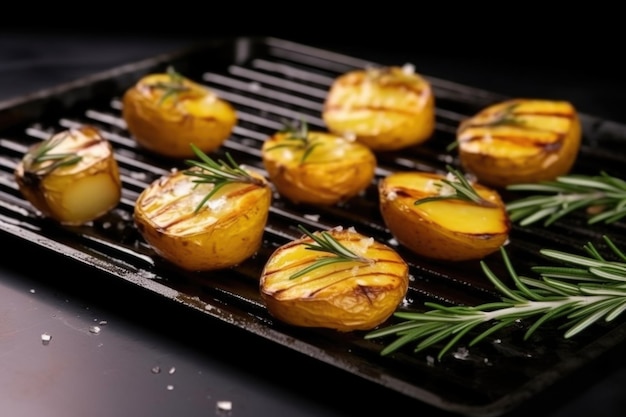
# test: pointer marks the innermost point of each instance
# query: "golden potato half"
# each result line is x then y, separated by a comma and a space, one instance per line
345, 296
72, 177
165, 113
321, 169
387, 108
520, 141
222, 232
451, 229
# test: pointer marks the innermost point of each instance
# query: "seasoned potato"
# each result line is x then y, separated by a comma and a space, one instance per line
358, 291
199, 235
72, 177
387, 108
520, 141
447, 229
317, 167
166, 112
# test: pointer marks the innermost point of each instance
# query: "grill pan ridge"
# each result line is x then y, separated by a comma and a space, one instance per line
271, 80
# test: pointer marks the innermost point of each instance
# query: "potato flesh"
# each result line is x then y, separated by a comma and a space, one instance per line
447, 229
343, 296
337, 169
226, 231
82, 192
542, 144
168, 126
386, 109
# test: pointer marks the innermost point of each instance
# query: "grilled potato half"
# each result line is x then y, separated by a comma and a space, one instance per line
520, 141
317, 168
166, 112
197, 234
386, 108
355, 286
448, 229
72, 177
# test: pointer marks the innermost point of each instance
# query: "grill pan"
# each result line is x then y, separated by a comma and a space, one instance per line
271, 80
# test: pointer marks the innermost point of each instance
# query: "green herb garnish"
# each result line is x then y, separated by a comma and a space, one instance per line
41, 161
456, 188
299, 138
219, 173
174, 86
325, 242
603, 193
593, 289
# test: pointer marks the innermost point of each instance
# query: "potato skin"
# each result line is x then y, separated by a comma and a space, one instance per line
344, 296
335, 170
226, 231
520, 141
450, 230
387, 108
168, 125
72, 194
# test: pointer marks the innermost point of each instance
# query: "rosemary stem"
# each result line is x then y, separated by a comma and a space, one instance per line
536, 307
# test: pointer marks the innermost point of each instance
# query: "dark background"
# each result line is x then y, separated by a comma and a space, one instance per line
509, 50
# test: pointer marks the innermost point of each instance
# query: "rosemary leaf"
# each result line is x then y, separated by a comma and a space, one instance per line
219, 173
298, 137
570, 193
462, 188
325, 242
584, 294
34, 160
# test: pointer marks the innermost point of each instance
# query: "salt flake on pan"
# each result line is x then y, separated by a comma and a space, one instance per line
45, 338
224, 406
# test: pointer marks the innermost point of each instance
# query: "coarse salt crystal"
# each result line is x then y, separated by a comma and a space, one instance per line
224, 405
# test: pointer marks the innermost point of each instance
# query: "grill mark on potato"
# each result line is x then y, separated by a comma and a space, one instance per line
523, 141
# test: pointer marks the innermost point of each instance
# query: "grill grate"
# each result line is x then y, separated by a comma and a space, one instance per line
269, 80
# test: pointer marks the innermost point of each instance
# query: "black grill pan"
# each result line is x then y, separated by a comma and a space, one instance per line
270, 80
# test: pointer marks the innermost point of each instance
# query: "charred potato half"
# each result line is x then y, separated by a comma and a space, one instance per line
448, 229
72, 177
386, 108
211, 216
166, 112
520, 141
356, 290
318, 168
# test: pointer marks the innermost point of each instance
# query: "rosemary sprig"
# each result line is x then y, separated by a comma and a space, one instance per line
174, 86
593, 289
456, 187
35, 159
603, 196
299, 138
219, 173
325, 242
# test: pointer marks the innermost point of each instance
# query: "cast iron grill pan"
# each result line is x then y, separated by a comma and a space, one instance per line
270, 81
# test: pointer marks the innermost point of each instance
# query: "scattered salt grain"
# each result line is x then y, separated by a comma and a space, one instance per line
430, 360
156, 369
45, 338
172, 370
224, 405
32, 290
170, 387
94, 329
